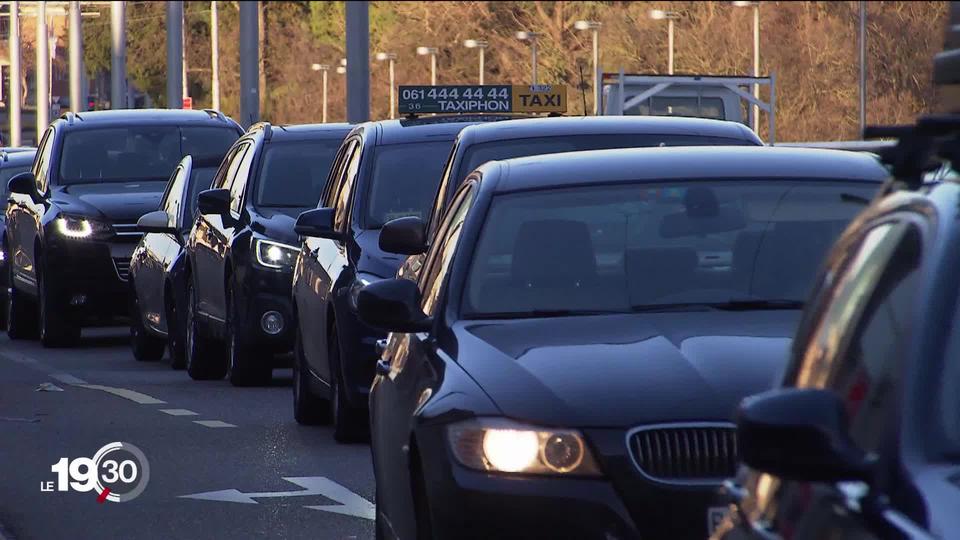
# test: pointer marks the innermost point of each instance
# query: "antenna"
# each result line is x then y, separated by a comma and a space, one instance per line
583, 88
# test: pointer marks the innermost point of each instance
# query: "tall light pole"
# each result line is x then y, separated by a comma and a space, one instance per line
670, 16
358, 55
391, 58
183, 51
215, 55
594, 26
175, 70
531, 37
480, 44
43, 71
756, 56
249, 63
15, 129
863, 66
324, 68
432, 51
78, 100
118, 55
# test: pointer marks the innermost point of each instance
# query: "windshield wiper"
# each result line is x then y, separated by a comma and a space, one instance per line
541, 313
758, 305
850, 197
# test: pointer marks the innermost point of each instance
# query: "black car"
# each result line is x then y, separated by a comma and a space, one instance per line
585, 324
870, 401
384, 170
71, 221
242, 249
158, 265
476, 145
13, 161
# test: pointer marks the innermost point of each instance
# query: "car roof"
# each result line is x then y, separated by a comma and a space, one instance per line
596, 125
24, 157
440, 127
694, 162
294, 132
118, 117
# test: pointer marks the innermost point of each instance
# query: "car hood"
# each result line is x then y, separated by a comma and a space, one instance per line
626, 370
277, 224
118, 202
372, 259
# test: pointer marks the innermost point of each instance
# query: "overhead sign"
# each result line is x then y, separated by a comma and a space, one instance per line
499, 98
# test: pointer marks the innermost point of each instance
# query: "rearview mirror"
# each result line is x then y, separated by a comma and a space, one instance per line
317, 223
393, 305
799, 434
23, 184
406, 236
157, 221
214, 202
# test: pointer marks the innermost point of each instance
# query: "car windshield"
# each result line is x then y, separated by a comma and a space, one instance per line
294, 173
200, 179
8, 172
405, 180
730, 244
130, 153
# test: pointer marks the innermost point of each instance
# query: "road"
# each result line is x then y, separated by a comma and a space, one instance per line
198, 437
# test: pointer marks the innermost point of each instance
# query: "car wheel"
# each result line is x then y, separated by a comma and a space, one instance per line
56, 329
308, 408
146, 348
176, 336
349, 423
247, 365
204, 360
21, 312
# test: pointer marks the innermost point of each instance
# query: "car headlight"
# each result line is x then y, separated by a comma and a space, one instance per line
499, 445
275, 255
77, 227
359, 282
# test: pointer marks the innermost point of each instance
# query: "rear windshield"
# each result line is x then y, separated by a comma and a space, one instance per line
130, 153
405, 180
294, 173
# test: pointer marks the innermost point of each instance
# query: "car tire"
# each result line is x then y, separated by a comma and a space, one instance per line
21, 313
247, 365
349, 423
146, 348
56, 330
204, 360
176, 336
308, 408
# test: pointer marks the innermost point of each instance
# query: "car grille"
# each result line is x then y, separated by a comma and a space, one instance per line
123, 267
685, 453
127, 230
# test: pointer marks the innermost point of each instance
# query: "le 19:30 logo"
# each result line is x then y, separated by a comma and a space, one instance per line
118, 472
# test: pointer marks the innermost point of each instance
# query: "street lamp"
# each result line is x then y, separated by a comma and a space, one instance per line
477, 44
756, 56
391, 58
324, 68
432, 51
594, 26
670, 16
532, 38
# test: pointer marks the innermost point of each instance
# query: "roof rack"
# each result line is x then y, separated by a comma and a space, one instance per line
69, 116
267, 129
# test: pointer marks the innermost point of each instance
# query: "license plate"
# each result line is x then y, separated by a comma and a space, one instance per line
714, 517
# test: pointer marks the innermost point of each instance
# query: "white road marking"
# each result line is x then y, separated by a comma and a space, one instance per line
178, 412
67, 378
351, 504
125, 393
213, 423
48, 387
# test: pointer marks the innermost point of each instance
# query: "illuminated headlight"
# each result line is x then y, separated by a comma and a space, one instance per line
82, 228
3, 256
275, 255
499, 445
358, 283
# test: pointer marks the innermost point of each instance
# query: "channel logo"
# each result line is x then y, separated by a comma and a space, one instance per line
117, 472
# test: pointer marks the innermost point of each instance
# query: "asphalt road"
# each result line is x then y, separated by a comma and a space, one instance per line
68, 403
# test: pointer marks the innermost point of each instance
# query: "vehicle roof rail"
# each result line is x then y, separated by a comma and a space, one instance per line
69, 116
216, 114
267, 129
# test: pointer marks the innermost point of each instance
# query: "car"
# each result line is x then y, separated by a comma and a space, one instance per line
71, 221
570, 359
384, 170
158, 265
869, 400
13, 161
242, 247
519, 138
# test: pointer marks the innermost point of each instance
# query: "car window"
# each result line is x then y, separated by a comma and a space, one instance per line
704, 107
440, 198
351, 166
398, 189
41, 167
221, 179
173, 198
240, 174
200, 179
335, 178
441, 253
293, 174
628, 247
6, 173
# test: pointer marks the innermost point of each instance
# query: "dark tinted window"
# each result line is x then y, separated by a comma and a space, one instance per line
8, 172
405, 180
200, 179
623, 247
708, 107
127, 153
293, 174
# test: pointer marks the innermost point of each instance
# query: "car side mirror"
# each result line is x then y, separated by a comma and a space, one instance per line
23, 184
214, 202
799, 434
317, 223
157, 221
393, 305
406, 236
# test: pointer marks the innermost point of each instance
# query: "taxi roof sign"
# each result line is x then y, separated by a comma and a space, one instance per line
491, 98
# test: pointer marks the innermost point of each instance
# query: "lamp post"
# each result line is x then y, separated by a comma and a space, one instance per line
669, 16
432, 51
480, 44
324, 68
215, 55
594, 27
391, 58
756, 56
532, 38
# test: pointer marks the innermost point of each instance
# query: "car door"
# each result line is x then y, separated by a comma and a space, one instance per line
408, 368
231, 227
25, 215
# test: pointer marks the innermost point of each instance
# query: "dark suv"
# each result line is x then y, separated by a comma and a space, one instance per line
12, 163
242, 249
71, 221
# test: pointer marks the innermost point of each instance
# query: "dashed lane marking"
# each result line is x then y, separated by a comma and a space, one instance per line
213, 423
178, 412
125, 393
